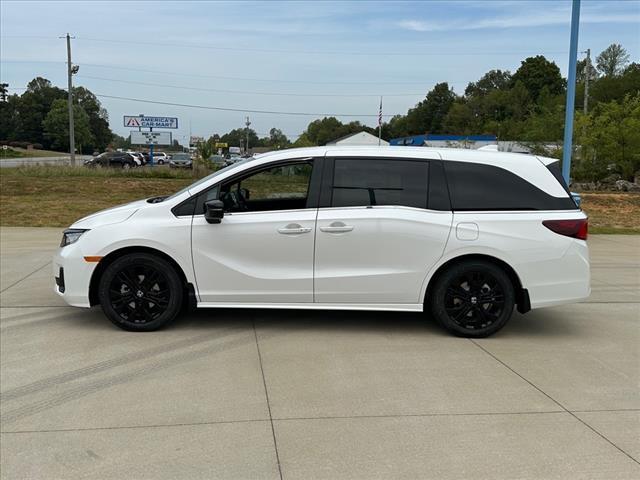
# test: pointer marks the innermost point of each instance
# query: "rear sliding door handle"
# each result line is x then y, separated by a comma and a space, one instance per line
293, 229
337, 227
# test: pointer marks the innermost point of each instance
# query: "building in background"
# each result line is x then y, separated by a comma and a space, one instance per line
452, 141
360, 138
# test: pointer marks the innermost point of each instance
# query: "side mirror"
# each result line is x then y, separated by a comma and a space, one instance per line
214, 211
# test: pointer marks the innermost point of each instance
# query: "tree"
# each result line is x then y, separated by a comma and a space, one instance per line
56, 126
537, 72
204, 150
492, 80
612, 60
98, 117
238, 136
277, 139
32, 109
611, 135
429, 114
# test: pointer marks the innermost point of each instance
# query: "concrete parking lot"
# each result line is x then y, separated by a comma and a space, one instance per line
301, 395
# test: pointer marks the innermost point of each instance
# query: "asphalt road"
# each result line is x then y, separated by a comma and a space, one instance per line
304, 395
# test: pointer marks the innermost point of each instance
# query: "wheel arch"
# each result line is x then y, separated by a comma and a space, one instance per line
522, 295
190, 298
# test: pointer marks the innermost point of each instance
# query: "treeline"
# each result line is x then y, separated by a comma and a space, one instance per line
40, 116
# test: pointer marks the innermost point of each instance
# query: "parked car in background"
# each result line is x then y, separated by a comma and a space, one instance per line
217, 159
465, 236
138, 156
113, 159
160, 158
180, 160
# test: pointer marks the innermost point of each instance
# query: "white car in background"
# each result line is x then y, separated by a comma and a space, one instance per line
466, 236
160, 158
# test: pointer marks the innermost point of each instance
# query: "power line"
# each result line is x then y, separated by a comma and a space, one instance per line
243, 110
283, 94
372, 53
221, 77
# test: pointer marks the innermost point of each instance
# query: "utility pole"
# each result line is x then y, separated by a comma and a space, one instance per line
247, 123
586, 80
72, 140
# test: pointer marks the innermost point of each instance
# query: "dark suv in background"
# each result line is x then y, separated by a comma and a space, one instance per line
112, 159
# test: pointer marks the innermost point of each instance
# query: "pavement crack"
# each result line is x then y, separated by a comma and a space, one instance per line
554, 400
24, 278
266, 394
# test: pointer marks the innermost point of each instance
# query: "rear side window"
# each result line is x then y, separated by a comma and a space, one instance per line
368, 182
476, 186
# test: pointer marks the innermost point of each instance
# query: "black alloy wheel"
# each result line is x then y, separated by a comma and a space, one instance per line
140, 292
473, 299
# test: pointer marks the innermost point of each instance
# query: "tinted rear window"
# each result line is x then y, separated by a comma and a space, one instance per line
476, 186
367, 182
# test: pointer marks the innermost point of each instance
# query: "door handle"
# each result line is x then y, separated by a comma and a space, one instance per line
293, 229
337, 227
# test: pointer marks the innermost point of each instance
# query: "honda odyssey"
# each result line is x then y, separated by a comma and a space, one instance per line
465, 236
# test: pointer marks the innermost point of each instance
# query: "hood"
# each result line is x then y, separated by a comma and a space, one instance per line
110, 215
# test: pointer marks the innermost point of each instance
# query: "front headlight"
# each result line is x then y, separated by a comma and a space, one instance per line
71, 235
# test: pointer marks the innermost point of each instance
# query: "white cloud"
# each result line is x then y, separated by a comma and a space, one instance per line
522, 19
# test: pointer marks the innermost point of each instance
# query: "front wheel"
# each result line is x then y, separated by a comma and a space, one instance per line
140, 292
160, 162
473, 299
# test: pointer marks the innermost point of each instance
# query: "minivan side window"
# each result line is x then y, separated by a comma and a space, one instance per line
368, 182
475, 186
282, 187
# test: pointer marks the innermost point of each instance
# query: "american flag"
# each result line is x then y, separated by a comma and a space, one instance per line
380, 114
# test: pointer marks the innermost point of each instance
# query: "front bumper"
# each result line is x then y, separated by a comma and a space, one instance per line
72, 275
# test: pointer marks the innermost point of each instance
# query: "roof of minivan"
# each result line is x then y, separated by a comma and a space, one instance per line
529, 167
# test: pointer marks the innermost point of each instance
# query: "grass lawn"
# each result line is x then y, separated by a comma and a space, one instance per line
16, 152
57, 196
28, 197
612, 212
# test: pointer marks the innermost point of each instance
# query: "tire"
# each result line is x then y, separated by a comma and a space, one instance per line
456, 300
131, 301
126, 165
160, 162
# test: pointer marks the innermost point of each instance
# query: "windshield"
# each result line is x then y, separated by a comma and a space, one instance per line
208, 177
181, 156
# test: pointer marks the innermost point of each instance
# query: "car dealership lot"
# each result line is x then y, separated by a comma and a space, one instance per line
297, 394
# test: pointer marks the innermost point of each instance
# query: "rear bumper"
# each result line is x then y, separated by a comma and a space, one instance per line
565, 280
72, 276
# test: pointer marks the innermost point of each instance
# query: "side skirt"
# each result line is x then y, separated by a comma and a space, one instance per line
393, 307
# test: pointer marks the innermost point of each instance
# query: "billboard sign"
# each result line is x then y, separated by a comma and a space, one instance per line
137, 121
151, 138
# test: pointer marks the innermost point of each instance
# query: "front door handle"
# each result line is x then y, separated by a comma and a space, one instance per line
293, 229
337, 227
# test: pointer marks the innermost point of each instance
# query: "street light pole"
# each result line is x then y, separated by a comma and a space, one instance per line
571, 92
246, 145
72, 140
586, 81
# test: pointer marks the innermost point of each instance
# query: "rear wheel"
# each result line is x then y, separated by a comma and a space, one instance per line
473, 299
126, 165
140, 292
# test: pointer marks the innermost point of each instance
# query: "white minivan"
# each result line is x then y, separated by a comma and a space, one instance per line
466, 236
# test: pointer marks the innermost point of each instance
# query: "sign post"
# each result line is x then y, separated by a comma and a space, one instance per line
152, 138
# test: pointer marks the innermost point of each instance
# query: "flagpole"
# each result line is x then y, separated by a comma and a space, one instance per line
380, 123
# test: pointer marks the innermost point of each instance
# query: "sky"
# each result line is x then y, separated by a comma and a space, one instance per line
314, 57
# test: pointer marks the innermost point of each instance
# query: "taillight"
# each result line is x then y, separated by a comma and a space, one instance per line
570, 228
